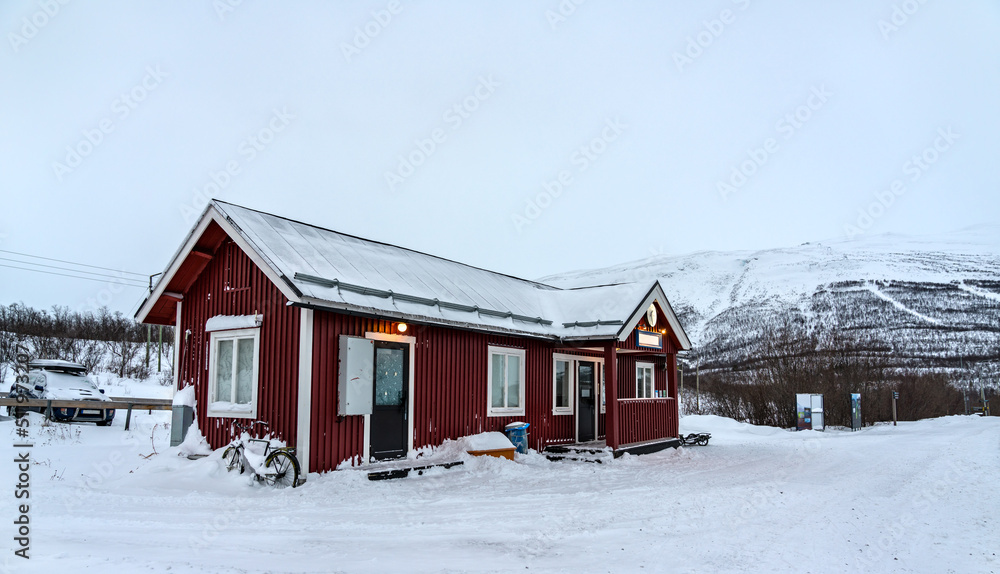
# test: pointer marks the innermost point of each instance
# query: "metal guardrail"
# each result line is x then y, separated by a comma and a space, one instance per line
125, 403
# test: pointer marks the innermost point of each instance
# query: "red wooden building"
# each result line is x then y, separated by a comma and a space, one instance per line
358, 351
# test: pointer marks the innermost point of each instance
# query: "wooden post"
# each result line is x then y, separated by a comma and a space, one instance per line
611, 394
149, 336
159, 352
697, 385
673, 392
680, 393
672, 376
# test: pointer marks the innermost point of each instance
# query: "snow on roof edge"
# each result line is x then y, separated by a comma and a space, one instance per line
546, 301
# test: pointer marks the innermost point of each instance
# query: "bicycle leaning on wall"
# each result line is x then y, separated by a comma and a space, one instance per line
274, 466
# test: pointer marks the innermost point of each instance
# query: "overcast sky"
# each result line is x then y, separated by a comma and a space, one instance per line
674, 126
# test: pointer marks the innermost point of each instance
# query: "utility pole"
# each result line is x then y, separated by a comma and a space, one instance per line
680, 394
149, 328
697, 384
159, 352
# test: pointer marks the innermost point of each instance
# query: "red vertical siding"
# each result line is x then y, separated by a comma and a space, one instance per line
647, 419
232, 285
450, 372
449, 401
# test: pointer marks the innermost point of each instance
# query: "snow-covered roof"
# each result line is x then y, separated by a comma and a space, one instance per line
56, 364
318, 267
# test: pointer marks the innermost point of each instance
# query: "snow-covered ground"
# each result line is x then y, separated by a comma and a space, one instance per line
920, 497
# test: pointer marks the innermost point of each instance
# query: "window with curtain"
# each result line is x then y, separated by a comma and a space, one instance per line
505, 384
233, 366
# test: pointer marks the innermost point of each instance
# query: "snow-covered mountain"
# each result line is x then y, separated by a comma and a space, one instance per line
934, 300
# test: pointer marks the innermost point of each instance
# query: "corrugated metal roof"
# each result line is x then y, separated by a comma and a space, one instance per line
341, 271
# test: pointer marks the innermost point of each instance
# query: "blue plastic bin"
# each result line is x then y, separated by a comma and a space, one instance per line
518, 435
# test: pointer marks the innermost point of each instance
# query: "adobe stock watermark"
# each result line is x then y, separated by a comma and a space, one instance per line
711, 31
87, 486
32, 25
223, 8
766, 496
247, 151
582, 158
363, 35
22, 449
914, 168
218, 525
455, 117
22, 490
562, 13
930, 499
786, 128
107, 294
121, 108
899, 17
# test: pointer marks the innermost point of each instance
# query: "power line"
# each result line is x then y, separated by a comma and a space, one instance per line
138, 304
75, 276
67, 269
73, 263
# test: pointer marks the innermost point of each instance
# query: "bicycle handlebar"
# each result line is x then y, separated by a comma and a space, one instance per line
247, 427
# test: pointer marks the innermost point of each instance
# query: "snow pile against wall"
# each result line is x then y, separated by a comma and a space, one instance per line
194, 441
185, 397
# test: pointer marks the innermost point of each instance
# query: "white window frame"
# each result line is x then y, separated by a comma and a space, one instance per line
600, 391
233, 335
504, 411
571, 373
652, 380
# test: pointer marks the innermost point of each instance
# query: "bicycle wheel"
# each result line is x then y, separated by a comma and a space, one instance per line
281, 470
232, 459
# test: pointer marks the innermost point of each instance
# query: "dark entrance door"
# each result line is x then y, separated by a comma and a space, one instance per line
389, 431
586, 402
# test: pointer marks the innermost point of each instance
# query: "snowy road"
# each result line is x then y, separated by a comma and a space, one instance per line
921, 497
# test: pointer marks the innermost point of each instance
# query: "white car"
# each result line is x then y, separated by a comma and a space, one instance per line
63, 380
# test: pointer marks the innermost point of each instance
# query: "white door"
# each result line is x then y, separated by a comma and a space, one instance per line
817, 412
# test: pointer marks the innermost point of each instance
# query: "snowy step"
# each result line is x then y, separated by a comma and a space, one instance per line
581, 458
578, 453
404, 472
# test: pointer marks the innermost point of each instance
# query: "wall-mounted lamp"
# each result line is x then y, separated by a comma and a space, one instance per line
401, 327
